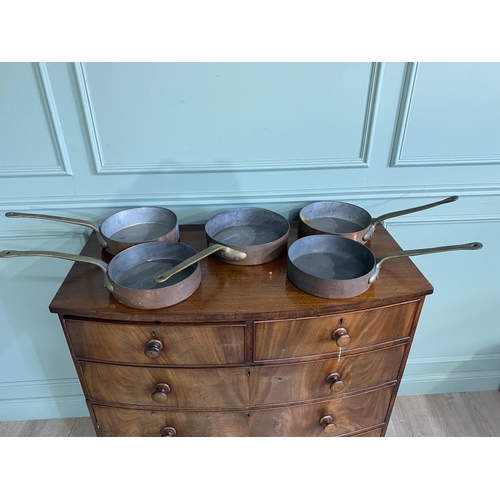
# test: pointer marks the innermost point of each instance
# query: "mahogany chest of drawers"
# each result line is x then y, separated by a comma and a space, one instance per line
248, 354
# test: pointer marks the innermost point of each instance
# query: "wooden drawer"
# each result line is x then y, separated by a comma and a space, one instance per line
187, 387
200, 344
238, 387
308, 381
128, 422
286, 339
350, 414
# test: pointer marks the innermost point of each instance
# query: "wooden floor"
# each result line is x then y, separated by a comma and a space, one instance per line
465, 414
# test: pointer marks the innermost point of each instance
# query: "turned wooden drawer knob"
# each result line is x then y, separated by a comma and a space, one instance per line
168, 431
327, 422
160, 394
336, 383
153, 349
341, 337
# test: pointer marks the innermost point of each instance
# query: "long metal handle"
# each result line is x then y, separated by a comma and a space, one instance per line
58, 255
225, 253
398, 213
78, 222
421, 251
56, 218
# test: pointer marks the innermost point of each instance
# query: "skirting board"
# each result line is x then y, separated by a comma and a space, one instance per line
457, 382
43, 408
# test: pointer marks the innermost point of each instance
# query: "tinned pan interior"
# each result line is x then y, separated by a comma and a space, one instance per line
140, 225
330, 266
260, 233
334, 217
132, 273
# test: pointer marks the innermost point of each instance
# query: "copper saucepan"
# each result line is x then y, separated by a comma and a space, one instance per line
350, 221
335, 267
125, 228
130, 275
260, 233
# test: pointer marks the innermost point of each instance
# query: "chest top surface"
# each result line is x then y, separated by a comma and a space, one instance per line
237, 293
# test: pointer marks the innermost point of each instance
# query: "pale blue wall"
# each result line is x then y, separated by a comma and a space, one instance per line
86, 140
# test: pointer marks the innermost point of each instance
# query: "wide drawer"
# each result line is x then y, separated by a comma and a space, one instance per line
233, 387
199, 344
286, 339
333, 418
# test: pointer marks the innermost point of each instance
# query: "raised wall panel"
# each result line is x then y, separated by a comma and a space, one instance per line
449, 115
461, 316
32, 142
185, 117
456, 346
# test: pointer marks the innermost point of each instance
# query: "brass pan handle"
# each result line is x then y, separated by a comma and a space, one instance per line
225, 253
422, 251
55, 218
59, 255
398, 213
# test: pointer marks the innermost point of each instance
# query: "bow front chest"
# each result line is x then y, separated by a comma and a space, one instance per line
248, 354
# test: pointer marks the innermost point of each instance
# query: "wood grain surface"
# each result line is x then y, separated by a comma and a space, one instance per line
181, 344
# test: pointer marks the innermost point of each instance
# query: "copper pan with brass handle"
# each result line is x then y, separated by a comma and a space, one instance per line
123, 229
349, 221
130, 275
335, 267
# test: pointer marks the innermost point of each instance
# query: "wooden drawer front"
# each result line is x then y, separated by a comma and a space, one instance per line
181, 344
187, 387
308, 381
350, 414
287, 339
128, 422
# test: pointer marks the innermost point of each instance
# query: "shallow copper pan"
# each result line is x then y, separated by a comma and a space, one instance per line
350, 221
335, 267
261, 234
132, 275
125, 228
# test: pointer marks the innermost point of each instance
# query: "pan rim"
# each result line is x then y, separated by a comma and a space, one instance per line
282, 235
291, 258
105, 231
363, 215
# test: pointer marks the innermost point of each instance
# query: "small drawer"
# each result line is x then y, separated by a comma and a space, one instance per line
157, 344
126, 422
287, 339
324, 379
166, 387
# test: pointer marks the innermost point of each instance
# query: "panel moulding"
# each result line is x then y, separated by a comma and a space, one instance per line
63, 168
102, 167
397, 158
185, 199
